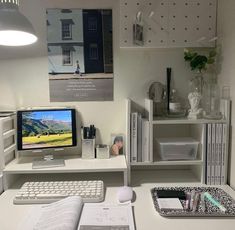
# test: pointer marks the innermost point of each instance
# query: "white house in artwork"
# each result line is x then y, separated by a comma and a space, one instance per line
65, 40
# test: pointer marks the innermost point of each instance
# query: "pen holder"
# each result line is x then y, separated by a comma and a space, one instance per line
88, 148
102, 152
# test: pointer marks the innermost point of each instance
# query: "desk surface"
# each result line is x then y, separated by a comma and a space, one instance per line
146, 217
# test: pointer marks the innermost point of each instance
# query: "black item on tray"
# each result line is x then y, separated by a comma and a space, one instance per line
171, 194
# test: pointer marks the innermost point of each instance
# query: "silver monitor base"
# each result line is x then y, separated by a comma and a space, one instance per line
39, 164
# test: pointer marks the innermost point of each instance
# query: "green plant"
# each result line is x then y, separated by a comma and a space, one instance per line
199, 62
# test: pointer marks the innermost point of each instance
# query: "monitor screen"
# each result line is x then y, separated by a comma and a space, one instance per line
40, 129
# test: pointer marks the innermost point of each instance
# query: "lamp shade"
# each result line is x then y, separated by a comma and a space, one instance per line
15, 28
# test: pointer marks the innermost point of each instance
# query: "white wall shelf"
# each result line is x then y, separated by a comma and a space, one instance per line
165, 121
168, 163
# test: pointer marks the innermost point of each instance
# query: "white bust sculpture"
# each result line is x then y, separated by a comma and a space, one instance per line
194, 100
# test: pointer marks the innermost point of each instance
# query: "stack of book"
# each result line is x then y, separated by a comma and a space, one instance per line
217, 148
140, 139
216, 154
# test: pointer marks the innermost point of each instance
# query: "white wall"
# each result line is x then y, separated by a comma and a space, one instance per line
226, 32
24, 78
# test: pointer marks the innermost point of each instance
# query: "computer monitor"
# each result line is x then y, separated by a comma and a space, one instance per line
46, 129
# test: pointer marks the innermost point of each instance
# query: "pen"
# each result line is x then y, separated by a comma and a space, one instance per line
86, 132
215, 202
187, 202
168, 88
203, 202
193, 193
195, 202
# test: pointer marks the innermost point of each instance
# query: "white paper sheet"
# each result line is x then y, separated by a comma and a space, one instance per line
169, 203
106, 217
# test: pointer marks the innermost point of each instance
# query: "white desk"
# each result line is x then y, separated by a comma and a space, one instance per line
146, 217
73, 165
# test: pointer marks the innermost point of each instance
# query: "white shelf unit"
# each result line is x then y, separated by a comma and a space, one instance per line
13, 166
7, 140
73, 165
164, 127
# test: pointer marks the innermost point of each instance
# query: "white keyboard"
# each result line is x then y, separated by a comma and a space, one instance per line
51, 191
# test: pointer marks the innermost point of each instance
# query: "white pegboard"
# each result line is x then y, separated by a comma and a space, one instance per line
174, 23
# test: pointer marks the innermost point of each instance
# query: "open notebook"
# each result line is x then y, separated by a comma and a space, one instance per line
71, 214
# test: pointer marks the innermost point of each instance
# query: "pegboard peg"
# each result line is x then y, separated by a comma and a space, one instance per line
201, 39
139, 16
213, 39
151, 14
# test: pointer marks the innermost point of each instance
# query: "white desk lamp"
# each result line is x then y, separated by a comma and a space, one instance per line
15, 28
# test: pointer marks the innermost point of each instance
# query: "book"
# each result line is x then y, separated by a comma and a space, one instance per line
145, 141
71, 214
218, 153
213, 153
134, 127
223, 153
139, 138
204, 147
208, 155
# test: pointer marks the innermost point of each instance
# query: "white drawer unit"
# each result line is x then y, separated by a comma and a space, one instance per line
7, 140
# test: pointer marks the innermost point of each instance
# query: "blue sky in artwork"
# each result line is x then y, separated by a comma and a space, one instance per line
65, 116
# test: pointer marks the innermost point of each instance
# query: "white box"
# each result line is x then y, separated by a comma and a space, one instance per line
102, 152
177, 148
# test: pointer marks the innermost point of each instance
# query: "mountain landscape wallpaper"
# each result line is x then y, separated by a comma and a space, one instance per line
43, 129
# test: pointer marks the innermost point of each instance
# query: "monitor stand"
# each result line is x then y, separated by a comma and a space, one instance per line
47, 162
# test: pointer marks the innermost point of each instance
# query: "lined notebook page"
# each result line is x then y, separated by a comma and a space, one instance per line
61, 215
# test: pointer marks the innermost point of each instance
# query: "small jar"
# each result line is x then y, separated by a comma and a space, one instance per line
175, 105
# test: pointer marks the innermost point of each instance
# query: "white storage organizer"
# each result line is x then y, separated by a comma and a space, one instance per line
177, 148
162, 127
7, 140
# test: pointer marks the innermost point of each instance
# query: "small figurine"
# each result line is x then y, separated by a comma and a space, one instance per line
194, 100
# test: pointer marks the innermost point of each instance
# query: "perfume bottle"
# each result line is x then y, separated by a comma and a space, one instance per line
175, 105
